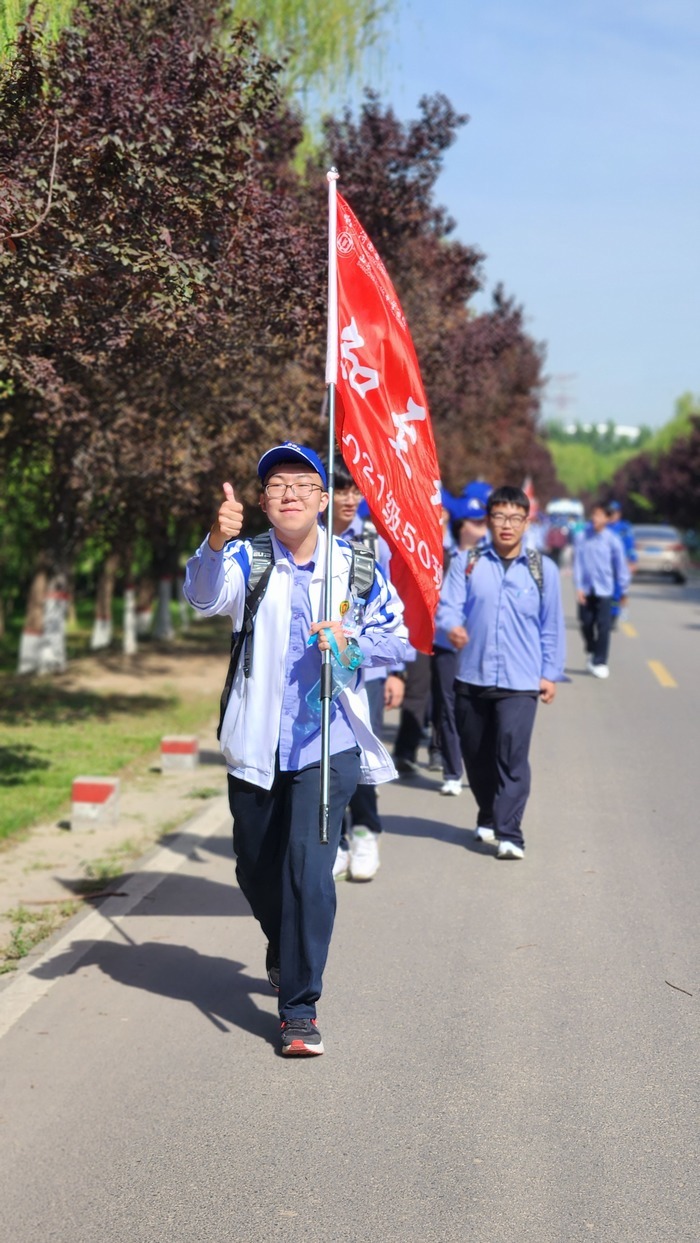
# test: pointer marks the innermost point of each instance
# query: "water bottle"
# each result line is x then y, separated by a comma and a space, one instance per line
342, 674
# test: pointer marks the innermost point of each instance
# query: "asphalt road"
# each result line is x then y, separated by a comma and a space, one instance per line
512, 1048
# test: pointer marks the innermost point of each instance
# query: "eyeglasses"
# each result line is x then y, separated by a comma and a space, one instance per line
516, 521
275, 491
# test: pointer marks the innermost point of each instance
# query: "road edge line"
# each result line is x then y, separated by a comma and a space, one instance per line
23, 989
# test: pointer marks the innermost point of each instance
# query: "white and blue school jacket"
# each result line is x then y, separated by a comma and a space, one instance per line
215, 583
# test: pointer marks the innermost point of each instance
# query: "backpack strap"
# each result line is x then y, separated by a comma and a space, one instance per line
472, 558
370, 535
534, 564
361, 569
261, 564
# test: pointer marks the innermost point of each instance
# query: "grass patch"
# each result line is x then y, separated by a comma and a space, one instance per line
31, 927
50, 733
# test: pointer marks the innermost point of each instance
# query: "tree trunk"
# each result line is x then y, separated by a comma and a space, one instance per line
53, 648
33, 629
130, 640
102, 629
186, 609
163, 627
144, 606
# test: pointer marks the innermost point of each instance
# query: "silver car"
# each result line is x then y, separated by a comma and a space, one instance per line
660, 550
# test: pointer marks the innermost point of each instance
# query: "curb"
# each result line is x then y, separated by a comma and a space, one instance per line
22, 988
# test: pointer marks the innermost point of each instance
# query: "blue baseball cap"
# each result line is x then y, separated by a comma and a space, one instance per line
291, 452
472, 502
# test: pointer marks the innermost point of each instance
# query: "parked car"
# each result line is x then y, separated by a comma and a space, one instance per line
660, 550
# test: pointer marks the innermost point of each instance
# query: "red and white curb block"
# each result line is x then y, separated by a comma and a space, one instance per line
178, 752
95, 801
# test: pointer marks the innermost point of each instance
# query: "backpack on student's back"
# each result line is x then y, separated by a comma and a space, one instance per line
261, 566
534, 565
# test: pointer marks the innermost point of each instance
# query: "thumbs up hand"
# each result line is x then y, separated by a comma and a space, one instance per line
229, 520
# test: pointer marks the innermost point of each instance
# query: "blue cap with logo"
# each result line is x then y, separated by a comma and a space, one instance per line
291, 452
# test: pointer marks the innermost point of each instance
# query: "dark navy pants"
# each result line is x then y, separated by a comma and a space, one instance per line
495, 736
287, 875
596, 623
363, 804
414, 708
443, 667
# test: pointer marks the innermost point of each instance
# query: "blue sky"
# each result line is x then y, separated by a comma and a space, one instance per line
578, 175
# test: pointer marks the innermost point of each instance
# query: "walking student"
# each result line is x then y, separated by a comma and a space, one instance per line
601, 574
270, 733
470, 532
358, 851
502, 611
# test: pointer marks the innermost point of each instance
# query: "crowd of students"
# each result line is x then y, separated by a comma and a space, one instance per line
499, 651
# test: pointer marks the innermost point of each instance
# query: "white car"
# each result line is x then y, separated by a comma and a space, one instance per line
660, 550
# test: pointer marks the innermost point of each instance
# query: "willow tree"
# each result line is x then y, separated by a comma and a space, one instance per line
50, 15
323, 44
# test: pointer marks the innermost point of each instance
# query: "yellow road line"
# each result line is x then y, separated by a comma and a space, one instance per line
628, 629
661, 673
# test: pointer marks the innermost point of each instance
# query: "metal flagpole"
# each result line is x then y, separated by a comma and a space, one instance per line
331, 381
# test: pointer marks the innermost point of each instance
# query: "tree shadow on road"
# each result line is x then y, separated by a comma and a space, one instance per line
214, 985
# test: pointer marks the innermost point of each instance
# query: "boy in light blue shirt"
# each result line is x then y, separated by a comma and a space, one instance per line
502, 611
600, 570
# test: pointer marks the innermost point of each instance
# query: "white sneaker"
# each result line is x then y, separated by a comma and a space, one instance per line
451, 787
485, 835
600, 671
589, 665
340, 867
509, 850
364, 854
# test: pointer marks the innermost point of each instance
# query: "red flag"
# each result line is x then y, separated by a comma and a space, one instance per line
529, 490
383, 423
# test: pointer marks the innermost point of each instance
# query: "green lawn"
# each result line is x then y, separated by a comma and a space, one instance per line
50, 734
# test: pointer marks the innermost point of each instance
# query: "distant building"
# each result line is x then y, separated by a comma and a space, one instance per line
623, 431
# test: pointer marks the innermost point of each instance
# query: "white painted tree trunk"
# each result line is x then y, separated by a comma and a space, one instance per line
186, 610
163, 626
102, 630
29, 651
42, 647
130, 638
101, 636
52, 654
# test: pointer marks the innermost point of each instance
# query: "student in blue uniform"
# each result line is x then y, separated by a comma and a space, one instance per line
272, 748
358, 852
503, 613
600, 569
623, 530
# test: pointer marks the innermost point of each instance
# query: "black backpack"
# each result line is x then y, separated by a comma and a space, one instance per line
261, 566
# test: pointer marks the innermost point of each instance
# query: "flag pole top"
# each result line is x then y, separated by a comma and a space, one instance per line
332, 174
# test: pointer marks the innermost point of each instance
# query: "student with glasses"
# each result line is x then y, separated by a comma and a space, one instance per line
271, 742
508, 628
